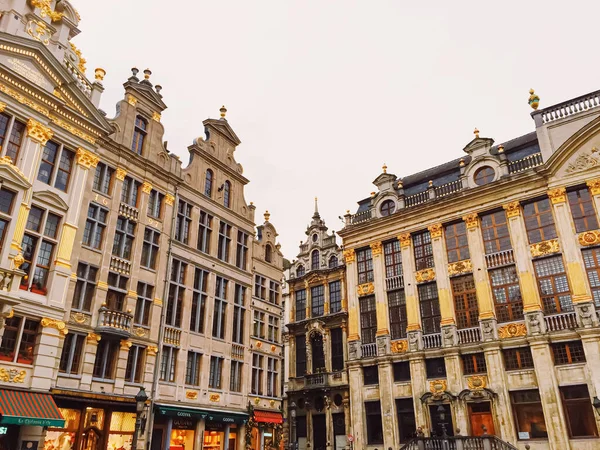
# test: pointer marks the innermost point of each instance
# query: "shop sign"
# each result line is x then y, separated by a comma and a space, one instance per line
199, 414
183, 424
32, 421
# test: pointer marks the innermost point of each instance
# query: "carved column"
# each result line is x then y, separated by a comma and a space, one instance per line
410, 290
347, 426
353, 313
47, 356
383, 319
386, 386
121, 365
448, 322
89, 358
418, 377
357, 418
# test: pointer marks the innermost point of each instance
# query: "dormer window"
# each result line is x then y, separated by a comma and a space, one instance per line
268, 253
300, 271
333, 262
314, 260
484, 175
139, 134
387, 207
208, 183
227, 194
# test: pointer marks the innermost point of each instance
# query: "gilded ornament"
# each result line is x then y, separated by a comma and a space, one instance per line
400, 346
214, 397
460, 267
152, 350
513, 209
169, 199
38, 132
121, 173
102, 285
512, 330
589, 238
365, 289
438, 386
404, 240
476, 382
544, 248
259, 344
18, 260
272, 403
71, 129
256, 401
594, 186
376, 248
125, 344
156, 116
86, 159
273, 348
38, 30
558, 195
476, 133
584, 161
471, 220
267, 216
534, 100
139, 331
131, 100
192, 395
59, 325
79, 318
24, 100
425, 275
99, 74
82, 60
46, 10
93, 337
349, 255
146, 187
12, 375
158, 301
2, 107
435, 230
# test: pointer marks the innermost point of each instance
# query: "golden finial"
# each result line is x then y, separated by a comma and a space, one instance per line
267, 216
99, 74
347, 211
534, 99
501, 148
430, 183
223, 111
400, 184
147, 74
372, 194
462, 162
384, 167
476, 133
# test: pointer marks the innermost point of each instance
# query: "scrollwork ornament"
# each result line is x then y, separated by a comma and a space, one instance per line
513, 209
86, 159
404, 240
435, 230
349, 255
38, 132
512, 330
544, 248
471, 220
589, 238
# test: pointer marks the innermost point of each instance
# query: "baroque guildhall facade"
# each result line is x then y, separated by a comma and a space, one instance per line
121, 267
473, 290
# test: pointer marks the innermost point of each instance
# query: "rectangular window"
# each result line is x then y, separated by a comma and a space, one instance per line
553, 285
568, 353
124, 236
204, 231
300, 304
130, 191
85, 288
406, 418
368, 319
423, 250
274, 292
539, 221
39, 242
183, 222
465, 301
70, 359
134, 372
401, 371
335, 297
224, 241
507, 294
397, 311
300, 355
199, 296
235, 377
271, 377
193, 369
117, 291
494, 229
457, 246
370, 375
317, 300
337, 349
6, 211
528, 414
435, 368
150, 248
155, 204
393, 258
220, 308
429, 305
239, 313
374, 423
474, 363
95, 225
176, 293
364, 259
582, 210
143, 304
591, 259
517, 358
260, 287
56, 165
168, 363
106, 355
241, 253
103, 178
15, 139
18, 340
273, 329
579, 413
259, 324
257, 374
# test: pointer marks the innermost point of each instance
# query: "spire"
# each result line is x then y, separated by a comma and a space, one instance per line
316, 215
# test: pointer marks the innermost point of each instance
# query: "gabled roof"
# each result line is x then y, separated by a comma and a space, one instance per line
222, 126
144, 89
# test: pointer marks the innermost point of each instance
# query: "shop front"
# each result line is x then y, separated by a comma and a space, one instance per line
196, 429
265, 430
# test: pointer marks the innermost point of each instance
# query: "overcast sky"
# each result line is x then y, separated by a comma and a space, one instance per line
322, 93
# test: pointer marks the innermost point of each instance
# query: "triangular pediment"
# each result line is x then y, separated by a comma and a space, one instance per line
144, 90
11, 176
221, 126
478, 146
51, 199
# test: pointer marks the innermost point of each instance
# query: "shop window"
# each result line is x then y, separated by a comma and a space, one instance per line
335, 297
374, 423
134, 371
95, 225
205, 232
539, 221
474, 363
507, 294
224, 241
406, 418
64, 438
494, 229
368, 319
337, 349
56, 165
300, 355
122, 426
18, 340
364, 260
423, 250
457, 246
300, 304
199, 296
465, 301
6, 212
568, 352
183, 222
553, 285
397, 313
435, 368
370, 375
106, 355
317, 300
517, 358
150, 248
528, 414
582, 210
401, 371
579, 413
70, 359
85, 288
429, 305
103, 178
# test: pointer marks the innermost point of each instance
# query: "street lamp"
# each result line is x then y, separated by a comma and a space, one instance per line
140, 404
596, 404
293, 426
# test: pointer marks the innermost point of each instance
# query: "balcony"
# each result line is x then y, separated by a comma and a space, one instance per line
131, 212
563, 321
369, 350
316, 379
114, 322
469, 335
396, 282
501, 258
529, 162
172, 336
237, 352
319, 380
567, 109
432, 340
120, 265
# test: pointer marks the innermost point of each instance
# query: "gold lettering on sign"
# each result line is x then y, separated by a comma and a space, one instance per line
102, 200
31, 74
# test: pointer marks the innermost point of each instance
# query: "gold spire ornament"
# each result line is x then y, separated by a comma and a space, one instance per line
267, 216
223, 111
384, 168
534, 99
476, 133
99, 74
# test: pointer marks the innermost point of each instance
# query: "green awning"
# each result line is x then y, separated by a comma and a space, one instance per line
29, 408
212, 416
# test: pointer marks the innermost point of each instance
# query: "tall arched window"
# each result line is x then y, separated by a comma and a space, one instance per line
318, 355
139, 134
300, 271
268, 253
227, 194
314, 260
208, 183
333, 262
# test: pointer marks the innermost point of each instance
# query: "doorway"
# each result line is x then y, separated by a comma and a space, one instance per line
480, 415
441, 421
319, 432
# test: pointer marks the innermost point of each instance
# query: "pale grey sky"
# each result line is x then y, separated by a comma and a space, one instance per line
322, 93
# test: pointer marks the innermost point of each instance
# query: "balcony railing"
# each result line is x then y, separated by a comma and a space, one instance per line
129, 211
529, 162
369, 350
469, 335
569, 108
396, 282
432, 340
120, 265
172, 336
237, 351
563, 321
417, 199
116, 322
500, 258
316, 379
448, 188
361, 217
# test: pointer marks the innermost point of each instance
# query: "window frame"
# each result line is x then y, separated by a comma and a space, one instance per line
208, 182
143, 304
495, 233
11, 146
368, 319
553, 302
574, 353
583, 211
93, 236
466, 305
183, 221
173, 313
140, 131
317, 301
423, 250
193, 368
107, 351
239, 313
523, 359
71, 354
56, 165
241, 252
19, 332
199, 300
220, 308
123, 245
168, 364
103, 179
335, 296
256, 387
155, 204
84, 302
535, 213
364, 265
430, 322
392, 252
150, 248
300, 312
6, 212
224, 243
397, 314
134, 371
457, 243
130, 191
227, 194
511, 309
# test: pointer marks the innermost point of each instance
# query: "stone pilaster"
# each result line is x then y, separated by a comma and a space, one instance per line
347, 422
388, 408
47, 355
591, 346
410, 283
121, 366
418, 376
440, 260
353, 312
455, 385
329, 426
383, 319
199, 436
89, 357
356, 407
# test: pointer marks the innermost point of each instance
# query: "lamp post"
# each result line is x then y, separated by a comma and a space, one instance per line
293, 426
140, 404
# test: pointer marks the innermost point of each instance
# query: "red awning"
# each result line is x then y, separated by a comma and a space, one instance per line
29, 408
268, 417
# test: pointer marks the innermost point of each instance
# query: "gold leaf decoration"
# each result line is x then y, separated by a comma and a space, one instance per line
512, 330
544, 248
589, 238
400, 346
460, 267
425, 275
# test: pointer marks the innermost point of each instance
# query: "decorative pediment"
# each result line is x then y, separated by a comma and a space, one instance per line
51, 199
144, 90
223, 128
11, 175
479, 147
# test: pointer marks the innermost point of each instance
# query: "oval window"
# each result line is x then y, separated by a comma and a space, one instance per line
388, 207
315, 237
485, 175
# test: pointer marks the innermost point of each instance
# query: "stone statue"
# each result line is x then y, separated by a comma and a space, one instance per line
413, 342
448, 336
586, 316
534, 324
352, 350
